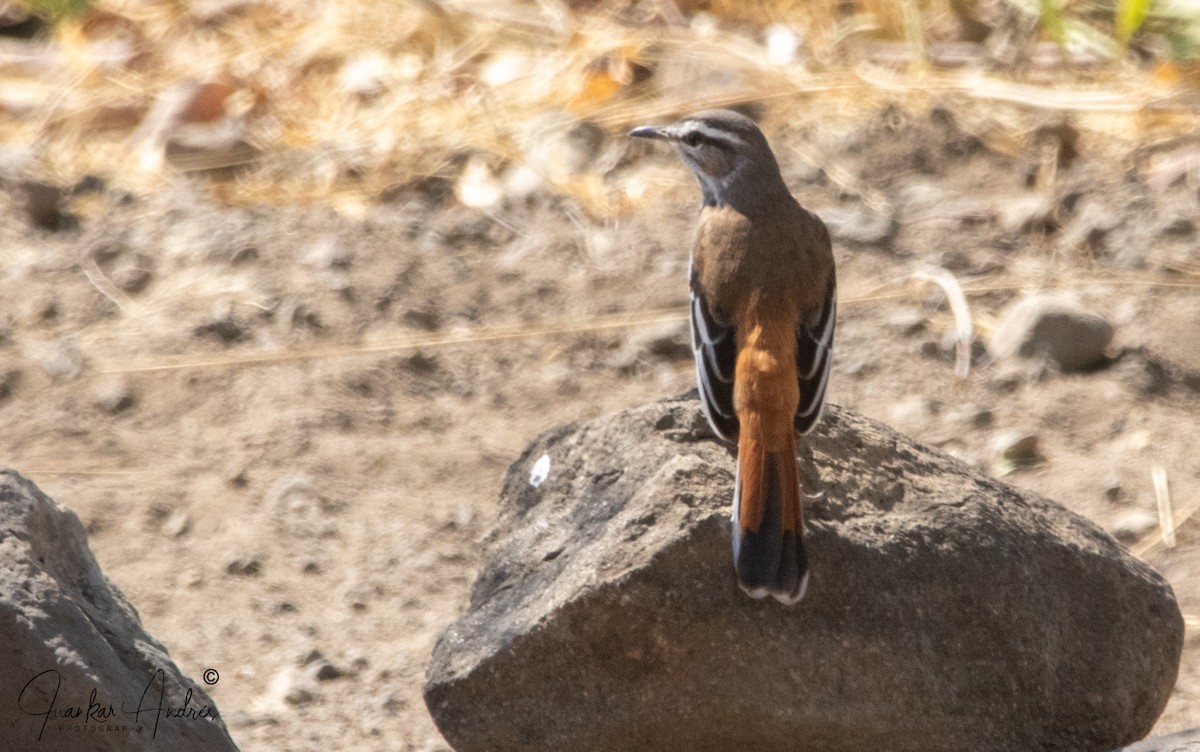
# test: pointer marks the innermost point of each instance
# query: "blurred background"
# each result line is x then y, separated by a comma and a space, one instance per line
285, 287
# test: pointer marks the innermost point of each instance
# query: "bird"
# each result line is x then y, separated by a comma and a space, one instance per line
763, 308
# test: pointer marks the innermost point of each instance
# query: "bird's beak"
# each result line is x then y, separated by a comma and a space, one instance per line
651, 131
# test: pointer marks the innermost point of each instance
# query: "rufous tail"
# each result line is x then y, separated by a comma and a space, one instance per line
768, 545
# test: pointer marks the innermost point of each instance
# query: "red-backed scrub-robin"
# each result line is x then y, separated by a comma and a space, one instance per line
763, 306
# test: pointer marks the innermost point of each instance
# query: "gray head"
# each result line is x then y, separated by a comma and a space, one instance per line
729, 155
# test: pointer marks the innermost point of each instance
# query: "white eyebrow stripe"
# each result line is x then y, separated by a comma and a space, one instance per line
714, 134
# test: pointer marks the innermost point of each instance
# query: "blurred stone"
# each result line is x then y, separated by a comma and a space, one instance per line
177, 524
1007, 379
323, 670
636, 637
18, 23
318, 667
1133, 525
327, 253
1016, 449
73, 645
1114, 491
291, 687
1053, 328
982, 418
43, 205
1178, 227
365, 75
1088, 229
63, 360
9, 378
114, 395
1026, 213
88, 184
223, 326
42, 309
427, 319
906, 321
1150, 375
244, 565
669, 341
860, 225
132, 273
1144, 374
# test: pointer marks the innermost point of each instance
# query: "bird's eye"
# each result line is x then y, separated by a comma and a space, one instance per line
692, 138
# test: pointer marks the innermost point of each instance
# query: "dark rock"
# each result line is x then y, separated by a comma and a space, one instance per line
9, 379
1017, 450
17, 23
983, 418
325, 671
43, 205
947, 611
66, 631
88, 184
1055, 329
225, 328
1179, 227
244, 565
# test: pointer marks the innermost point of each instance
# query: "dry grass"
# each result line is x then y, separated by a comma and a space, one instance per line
352, 101
348, 100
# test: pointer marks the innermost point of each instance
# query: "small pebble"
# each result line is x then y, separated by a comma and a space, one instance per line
1114, 492
860, 225
63, 360
114, 396
244, 565
1179, 227
177, 524
292, 687
131, 278
1017, 450
1133, 525
9, 378
225, 328
983, 418
43, 204
1026, 213
907, 322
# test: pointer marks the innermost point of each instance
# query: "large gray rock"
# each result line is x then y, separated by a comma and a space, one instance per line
66, 632
946, 611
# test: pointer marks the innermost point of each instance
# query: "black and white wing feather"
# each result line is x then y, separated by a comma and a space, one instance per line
714, 345
814, 352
